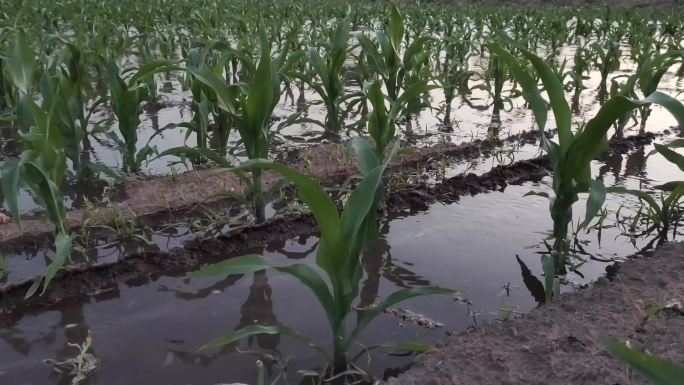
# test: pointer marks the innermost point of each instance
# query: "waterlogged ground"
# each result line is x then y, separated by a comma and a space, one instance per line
472, 117
148, 331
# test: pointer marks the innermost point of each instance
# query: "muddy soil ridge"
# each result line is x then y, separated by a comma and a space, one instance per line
560, 342
75, 283
156, 199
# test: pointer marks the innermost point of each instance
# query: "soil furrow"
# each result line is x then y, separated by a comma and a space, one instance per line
77, 283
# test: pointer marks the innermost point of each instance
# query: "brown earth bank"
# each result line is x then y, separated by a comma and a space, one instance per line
560, 342
77, 283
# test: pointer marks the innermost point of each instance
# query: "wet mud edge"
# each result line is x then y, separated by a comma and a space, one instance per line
83, 283
155, 201
560, 342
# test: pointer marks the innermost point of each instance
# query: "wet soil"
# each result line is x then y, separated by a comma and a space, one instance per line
420, 196
91, 281
159, 200
560, 342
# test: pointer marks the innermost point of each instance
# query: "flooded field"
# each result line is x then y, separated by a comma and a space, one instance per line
508, 171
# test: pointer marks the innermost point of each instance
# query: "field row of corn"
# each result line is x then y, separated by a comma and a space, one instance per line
77, 71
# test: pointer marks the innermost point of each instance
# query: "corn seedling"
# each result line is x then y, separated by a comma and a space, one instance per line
343, 238
400, 69
572, 155
127, 96
329, 69
40, 169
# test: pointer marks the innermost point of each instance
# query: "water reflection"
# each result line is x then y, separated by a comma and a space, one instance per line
378, 263
532, 283
258, 310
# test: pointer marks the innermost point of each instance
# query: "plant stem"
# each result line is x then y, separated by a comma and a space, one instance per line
258, 195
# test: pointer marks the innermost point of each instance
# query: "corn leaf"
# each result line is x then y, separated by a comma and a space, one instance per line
251, 330
233, 266
655, 369
11, 172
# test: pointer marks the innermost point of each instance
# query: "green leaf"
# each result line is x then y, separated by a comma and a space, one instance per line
101, 168
150, 69
63, 244
366, 158
49, 193
225, 95
196, 153
655, 369
670, 155
597, 195
260, 329
549, 268
528, 83
21, 64
592, 140
411, 346
672, 105
307, 276
380, 128
11, 172
259, 105
360, 206
233, 266
411, 93
395, 28
554, 88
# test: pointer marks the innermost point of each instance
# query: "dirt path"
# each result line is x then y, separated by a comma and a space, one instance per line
560, 343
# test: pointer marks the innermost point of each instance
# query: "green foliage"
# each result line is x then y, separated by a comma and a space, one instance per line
127, 96
572, 155
657, 370
343, 238
329, 69
400, 69
251, 109
40, 169
664, 213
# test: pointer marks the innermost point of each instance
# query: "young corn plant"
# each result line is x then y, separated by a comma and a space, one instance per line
205, 103
337, 279
399, 69
127, 95
453, 74
251, 110
382, 122
646, 81
572, 155
607, 60
663, 214
329, 69
40, 169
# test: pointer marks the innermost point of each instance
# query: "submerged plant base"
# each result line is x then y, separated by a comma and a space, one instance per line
561, 342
